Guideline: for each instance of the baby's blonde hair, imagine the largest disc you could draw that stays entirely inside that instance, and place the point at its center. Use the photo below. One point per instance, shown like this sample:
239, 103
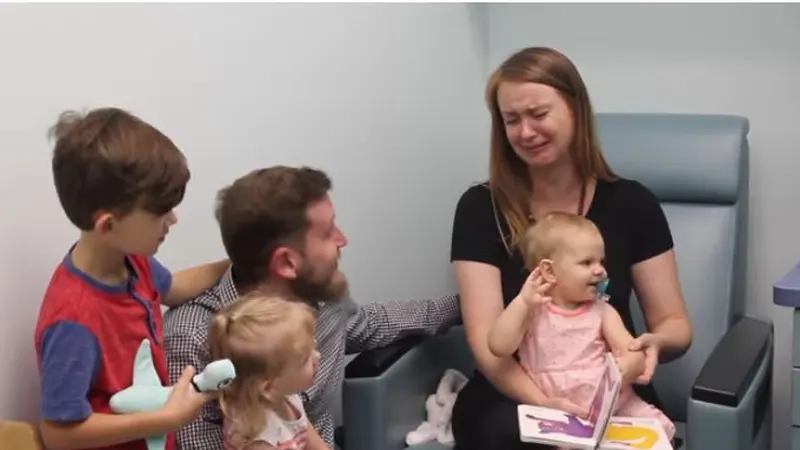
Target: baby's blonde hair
262, 334
550, 235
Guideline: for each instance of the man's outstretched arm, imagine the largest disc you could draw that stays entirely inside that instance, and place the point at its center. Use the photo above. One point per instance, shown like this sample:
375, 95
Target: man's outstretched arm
376, 325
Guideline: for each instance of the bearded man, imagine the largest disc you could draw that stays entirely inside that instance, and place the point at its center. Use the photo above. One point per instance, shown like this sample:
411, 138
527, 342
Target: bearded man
279, 230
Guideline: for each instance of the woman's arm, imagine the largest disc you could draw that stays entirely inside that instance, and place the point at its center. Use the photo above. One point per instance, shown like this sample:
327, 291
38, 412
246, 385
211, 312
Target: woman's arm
481, 304
658, 289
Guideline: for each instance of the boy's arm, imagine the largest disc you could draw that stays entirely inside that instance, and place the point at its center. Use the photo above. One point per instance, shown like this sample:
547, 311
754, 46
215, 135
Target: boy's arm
509, 329
70, 359
187, 284
102, 430
618, 339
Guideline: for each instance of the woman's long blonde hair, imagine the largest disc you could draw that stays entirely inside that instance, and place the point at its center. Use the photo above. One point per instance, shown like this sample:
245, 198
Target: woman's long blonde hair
509, 177
261, 334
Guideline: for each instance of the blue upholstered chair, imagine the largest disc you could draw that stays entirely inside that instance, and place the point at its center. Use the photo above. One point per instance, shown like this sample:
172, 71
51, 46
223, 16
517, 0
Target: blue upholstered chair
719, 392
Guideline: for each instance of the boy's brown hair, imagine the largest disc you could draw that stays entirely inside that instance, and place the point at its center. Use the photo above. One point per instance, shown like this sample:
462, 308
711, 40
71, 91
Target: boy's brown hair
548, 236
266, 209
110, 160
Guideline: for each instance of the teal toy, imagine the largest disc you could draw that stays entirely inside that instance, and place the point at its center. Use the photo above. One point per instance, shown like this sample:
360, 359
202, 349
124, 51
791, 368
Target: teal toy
147, 394
602, 288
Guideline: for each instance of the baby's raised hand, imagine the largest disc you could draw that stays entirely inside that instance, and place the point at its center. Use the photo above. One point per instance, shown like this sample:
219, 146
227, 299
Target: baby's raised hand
536, 289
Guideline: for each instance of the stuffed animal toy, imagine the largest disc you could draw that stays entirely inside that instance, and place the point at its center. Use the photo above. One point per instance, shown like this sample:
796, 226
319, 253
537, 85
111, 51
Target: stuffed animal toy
147, 394
439, 409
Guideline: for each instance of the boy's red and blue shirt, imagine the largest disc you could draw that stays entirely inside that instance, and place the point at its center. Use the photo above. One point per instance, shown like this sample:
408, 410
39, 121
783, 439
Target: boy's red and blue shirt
88, 334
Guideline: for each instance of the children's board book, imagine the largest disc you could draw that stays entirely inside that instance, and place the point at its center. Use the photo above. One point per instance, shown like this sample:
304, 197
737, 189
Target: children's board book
554, 427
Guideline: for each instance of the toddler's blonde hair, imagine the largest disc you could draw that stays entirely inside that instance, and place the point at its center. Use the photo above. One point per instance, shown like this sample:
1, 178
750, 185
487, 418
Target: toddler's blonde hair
550, 235
262, 334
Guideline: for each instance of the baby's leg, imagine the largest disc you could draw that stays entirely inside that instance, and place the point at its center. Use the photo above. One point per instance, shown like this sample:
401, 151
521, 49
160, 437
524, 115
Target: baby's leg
636, 407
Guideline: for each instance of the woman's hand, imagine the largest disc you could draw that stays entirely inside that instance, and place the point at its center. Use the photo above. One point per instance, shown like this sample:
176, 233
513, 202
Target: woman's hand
649, 343
656, 283
631, 364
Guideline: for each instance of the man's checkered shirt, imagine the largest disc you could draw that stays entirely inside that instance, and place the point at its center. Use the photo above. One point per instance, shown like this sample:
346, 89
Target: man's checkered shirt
342, 328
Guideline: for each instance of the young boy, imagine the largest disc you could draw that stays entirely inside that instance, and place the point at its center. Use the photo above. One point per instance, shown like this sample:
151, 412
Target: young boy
118, 180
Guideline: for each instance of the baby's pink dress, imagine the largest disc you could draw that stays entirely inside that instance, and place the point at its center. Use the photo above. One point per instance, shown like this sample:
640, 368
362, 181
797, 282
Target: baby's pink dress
564, 352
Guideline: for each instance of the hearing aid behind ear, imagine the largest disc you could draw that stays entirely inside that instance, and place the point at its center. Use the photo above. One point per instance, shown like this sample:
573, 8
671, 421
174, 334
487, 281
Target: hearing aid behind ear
602, 287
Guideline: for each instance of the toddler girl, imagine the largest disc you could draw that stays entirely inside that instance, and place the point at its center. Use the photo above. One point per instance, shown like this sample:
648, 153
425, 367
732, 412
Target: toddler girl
561, 328
270, 341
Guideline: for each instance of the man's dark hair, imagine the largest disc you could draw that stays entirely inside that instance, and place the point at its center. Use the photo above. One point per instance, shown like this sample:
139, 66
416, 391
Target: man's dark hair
263, 210
110, 160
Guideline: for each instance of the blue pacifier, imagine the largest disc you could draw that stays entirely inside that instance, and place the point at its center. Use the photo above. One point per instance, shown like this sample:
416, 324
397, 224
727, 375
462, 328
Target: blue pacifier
602, 287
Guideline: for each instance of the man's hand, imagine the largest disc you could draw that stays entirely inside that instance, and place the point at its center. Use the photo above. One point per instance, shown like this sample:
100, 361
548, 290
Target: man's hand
185, 403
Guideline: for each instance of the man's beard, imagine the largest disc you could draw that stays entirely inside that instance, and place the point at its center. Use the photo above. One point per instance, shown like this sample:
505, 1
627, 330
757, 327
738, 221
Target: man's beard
333, 288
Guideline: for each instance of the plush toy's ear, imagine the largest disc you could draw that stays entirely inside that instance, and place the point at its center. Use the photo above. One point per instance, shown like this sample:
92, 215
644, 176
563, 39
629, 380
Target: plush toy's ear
546, 269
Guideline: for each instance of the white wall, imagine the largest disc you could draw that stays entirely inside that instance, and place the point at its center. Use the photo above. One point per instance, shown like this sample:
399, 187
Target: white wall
386, 98
737, 59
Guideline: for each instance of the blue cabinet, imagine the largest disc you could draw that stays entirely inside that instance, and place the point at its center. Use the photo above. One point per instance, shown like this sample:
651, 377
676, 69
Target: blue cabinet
786, 293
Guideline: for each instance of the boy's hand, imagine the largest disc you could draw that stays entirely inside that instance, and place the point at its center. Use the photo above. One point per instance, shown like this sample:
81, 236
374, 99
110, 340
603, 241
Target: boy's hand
535, 290
184, 402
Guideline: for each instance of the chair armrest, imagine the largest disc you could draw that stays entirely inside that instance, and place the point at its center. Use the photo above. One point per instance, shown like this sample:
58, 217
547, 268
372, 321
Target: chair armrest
373, 363
730, 405
384, 394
